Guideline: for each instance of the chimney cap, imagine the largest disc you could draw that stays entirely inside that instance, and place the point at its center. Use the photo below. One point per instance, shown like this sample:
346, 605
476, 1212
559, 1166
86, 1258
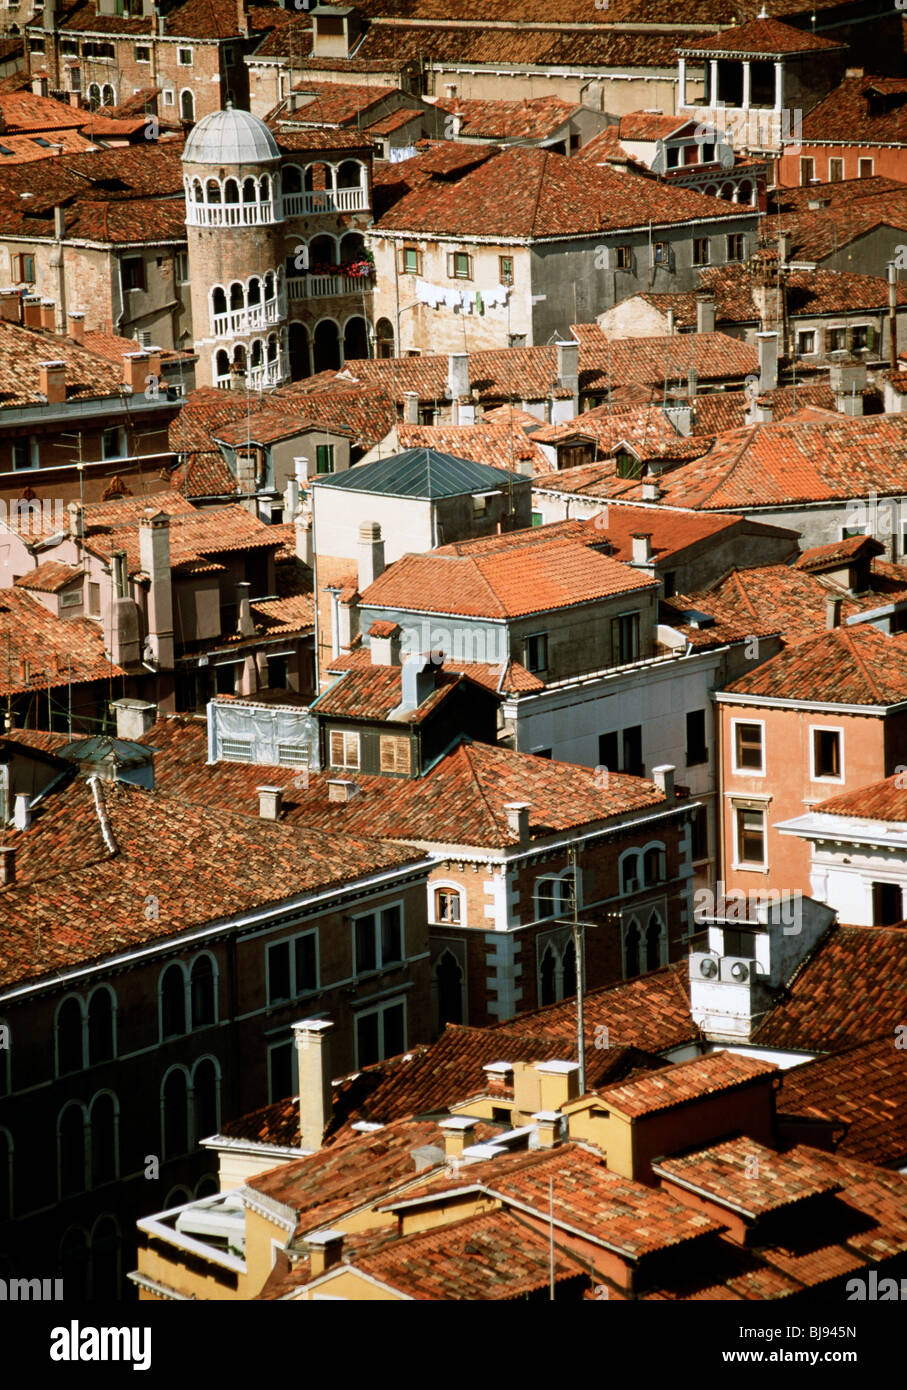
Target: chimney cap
498, 1068
323, 1238
459, 1123
318, 1026
556, 1068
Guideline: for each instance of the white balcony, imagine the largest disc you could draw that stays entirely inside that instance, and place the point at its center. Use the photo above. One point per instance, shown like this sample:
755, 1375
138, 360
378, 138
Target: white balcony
323, 286
266, 375
231, 214
326, 200
265, 315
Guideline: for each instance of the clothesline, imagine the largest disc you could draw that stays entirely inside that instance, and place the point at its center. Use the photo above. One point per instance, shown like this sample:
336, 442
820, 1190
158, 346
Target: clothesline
467, 301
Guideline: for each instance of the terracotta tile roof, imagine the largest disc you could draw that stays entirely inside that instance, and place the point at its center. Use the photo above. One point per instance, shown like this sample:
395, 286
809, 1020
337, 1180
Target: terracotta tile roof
725, 1173
492, 676
334, 103
497, 374
26, 111
533, 118
850, 209
507, 584
851, 665
497, 445
651, 361
822, 1012
195, 535
194, 19
821, 557
88, 376
491, 1257
395, 120
139, 221
41, 650
279, 617
374, 692
882, 801
862, 1088
150, 171
326, 139
860, 111
685, 1082
761, 36
24, 149
535, 193
165, 847
50, 577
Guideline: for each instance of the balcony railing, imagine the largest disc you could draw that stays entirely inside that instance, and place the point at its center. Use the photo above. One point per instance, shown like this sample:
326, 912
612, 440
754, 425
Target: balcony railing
230, 214
326, 200
267, 375
246, 320
321, 286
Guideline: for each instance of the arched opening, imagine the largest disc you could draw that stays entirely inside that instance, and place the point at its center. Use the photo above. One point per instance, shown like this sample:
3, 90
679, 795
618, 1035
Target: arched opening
270, 286
292, 179
450, 989
629, 873
187, 110
569, 970
323, 255
384, 338
206, 1186
272, 348
548, 975
255, 356
265, 188
100, 1026
326, 346
631, 950
202, 992
355, 338
239, 360
103, 1140
222, 367
317, 177
231, 191
212, 191
74, 1264
653, 942
198, 193
177, 1197
105, 1260
69, 1037
300, 365
349, 175
108, 95
237, 296
654, 865
176, 1114
94, 96
218, 301
727, 192
72, 1150
248, 190
173, 1002
204, 1084
254, 290
745, 192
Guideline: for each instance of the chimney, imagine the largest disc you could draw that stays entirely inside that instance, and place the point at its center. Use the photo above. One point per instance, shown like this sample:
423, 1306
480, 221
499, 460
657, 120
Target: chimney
7, 865
384, 645
31, 311
568, 366
245, 623
269, 799
154, 553
154, 362
671, 322
371, 554
651, 492
759, 411
22, 813
833, 611
518, 820
118, 572
500, 1077
76, 519
39, 85
663, 777
784, 246
9, 306
411, 407
134, 717
548, 1127
768, 360
312, 1049
75, 99
459, 1134
76, 327
559, 1083
706, 312
642, 548
52, 381
135, 369
458, 375
48, 315
325, 1247
893, 316
242, 18
341, 789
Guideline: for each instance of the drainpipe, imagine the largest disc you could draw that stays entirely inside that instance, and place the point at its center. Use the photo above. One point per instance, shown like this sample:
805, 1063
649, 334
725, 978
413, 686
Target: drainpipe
122, 314
56, 261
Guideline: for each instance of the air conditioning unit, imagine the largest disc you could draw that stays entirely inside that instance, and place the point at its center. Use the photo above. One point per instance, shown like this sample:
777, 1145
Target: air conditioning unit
737, 971
704, 967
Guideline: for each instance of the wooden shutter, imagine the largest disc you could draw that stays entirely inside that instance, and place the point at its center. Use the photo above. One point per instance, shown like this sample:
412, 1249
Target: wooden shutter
336, 748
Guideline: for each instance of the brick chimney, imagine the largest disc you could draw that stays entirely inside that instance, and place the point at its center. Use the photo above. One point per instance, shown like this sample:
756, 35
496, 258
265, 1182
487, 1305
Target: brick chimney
52, 381
31, 311
76, 327
135, 370
48, 315
499, 1077
9, 306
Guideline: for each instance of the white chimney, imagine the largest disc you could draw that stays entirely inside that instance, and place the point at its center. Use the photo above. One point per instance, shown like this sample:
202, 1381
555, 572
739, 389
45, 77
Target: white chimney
651, 492
154, 554
642, 548
371, 554
22, 812
568, 364
411, 407
314, 1080
457, 375
269, 800
663, 777
518, 820
768, 360
671, 322
759, 411
459, 1134
134, 717
706, 313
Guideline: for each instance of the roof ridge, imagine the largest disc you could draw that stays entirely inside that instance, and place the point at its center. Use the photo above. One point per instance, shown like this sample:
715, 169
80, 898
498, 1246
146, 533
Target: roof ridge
842, 634
474, 773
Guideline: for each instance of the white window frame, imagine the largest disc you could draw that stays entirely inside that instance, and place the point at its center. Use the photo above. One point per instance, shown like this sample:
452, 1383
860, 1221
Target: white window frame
746, 771
345, 765
745, 865
377, 913
180, 61
168, 96
826, 729
563, 901
801, 334
436, 886
866, 159
836, 159
380, 1010
141, 48
295, 991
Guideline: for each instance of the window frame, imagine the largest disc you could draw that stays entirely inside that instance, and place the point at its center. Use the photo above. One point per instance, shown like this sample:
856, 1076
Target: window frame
740, 810
452, 890
453, 257
690, 747
835, 162
416, 254
181, 61
141, 48
377, 915
534, 665
142, 280
345, 734
812, 335
734, 241
744, 771
702, 250
379, 1009
814, 731
294, 990
505, 277
394, 743
865, 159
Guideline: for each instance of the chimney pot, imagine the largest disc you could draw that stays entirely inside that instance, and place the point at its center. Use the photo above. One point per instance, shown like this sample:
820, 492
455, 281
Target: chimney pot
135, 369
48, 315
663, 777
518, 820
548, 1125
706, 313
7, 864
245, 623
651, 492
52, 381
269, 802
642, 548
459, 1134
411, 407
9, 306
833, 611
371, 554
500, 1077
31, 311
458, 375
325, 1247
768, 360
22, 812
312, 1048
76, 326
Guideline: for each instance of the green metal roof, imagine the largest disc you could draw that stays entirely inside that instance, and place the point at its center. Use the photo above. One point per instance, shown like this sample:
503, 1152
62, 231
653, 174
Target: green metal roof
421, 473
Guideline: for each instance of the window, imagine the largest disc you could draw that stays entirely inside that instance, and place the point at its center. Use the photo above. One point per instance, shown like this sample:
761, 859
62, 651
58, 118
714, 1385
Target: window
806, 341
22, 269
865, 168
378, 939
98, 48
535, 651
380, 1033
277, 673
100, 1026
173, 1002
70, 47
699, 835
673, 154
669, 582
505, 270
142, 53
750, 828
113, 443
735, 246
205, 1088
697, 752
103, 1125
225, 676
25, 453
700, 250
168, 96
175, 1113
324, 458
748, 750
661, 253
181, 267
71, 1141
479, 506
344, 748
133, 273
201, 992
395, 753
70, 1054
282, 1070
835, 339
554, 896
827, 753
862, 335
625, 639
459, 265
410, 261
624, 257
630, 873
621, 751
184, 57
292, 967
835, 170
706, 153
887, 904
94, 600
447, 905
655, 866
229, 57
807, 171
